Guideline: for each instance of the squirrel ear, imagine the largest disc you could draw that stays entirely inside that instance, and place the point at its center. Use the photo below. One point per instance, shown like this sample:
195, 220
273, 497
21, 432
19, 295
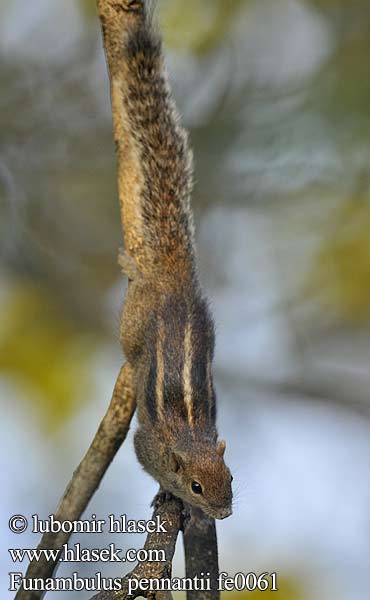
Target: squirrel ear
178, 460
220, 448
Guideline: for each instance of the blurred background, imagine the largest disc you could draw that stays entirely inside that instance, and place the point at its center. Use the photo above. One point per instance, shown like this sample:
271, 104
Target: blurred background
276, 95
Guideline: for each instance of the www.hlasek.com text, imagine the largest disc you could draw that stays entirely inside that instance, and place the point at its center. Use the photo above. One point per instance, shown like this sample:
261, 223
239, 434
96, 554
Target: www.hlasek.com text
79, 554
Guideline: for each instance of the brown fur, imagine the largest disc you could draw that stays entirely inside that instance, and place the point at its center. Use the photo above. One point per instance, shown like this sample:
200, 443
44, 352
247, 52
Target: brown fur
166, 327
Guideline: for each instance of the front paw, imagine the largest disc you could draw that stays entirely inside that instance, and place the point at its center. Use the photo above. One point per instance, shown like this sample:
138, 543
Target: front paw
161, 498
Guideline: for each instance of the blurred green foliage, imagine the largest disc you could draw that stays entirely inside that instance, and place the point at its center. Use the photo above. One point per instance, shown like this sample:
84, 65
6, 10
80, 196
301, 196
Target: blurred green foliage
44, 354
197, 26
341, 271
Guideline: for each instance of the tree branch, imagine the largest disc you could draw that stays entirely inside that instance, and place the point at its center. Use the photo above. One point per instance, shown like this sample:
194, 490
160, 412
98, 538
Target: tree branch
201, 556
170, 511
85, 480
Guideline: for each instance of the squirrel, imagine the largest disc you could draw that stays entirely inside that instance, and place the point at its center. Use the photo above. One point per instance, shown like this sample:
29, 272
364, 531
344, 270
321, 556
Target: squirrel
167, 331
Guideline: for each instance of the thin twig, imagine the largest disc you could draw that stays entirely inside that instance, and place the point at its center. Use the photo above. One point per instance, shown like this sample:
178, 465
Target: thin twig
88, 475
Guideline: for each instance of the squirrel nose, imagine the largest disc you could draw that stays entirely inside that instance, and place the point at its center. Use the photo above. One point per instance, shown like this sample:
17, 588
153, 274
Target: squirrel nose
225, 512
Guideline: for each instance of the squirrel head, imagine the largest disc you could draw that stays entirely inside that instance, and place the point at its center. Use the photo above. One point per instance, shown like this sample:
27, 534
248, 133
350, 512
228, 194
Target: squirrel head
200, 477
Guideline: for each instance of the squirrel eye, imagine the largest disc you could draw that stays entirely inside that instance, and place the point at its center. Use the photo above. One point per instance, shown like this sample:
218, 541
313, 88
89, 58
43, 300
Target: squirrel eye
196, 487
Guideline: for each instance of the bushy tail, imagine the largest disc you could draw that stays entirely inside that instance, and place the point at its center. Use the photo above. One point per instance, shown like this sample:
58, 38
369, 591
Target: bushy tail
156, 198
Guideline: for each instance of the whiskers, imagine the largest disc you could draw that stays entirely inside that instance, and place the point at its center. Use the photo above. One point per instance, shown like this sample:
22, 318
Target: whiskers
240, 489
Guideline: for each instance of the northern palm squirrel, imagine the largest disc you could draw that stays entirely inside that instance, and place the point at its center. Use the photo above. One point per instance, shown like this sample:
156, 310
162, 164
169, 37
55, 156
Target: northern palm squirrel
167, 330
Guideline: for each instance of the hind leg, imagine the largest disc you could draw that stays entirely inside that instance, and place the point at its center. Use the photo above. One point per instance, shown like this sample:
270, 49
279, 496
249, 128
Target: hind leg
137, 309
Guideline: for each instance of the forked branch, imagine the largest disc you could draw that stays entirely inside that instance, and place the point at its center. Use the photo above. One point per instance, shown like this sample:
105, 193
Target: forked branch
86, 479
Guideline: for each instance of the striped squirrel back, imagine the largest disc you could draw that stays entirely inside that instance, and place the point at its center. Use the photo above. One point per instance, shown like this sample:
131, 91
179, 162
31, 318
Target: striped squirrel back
180, 375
